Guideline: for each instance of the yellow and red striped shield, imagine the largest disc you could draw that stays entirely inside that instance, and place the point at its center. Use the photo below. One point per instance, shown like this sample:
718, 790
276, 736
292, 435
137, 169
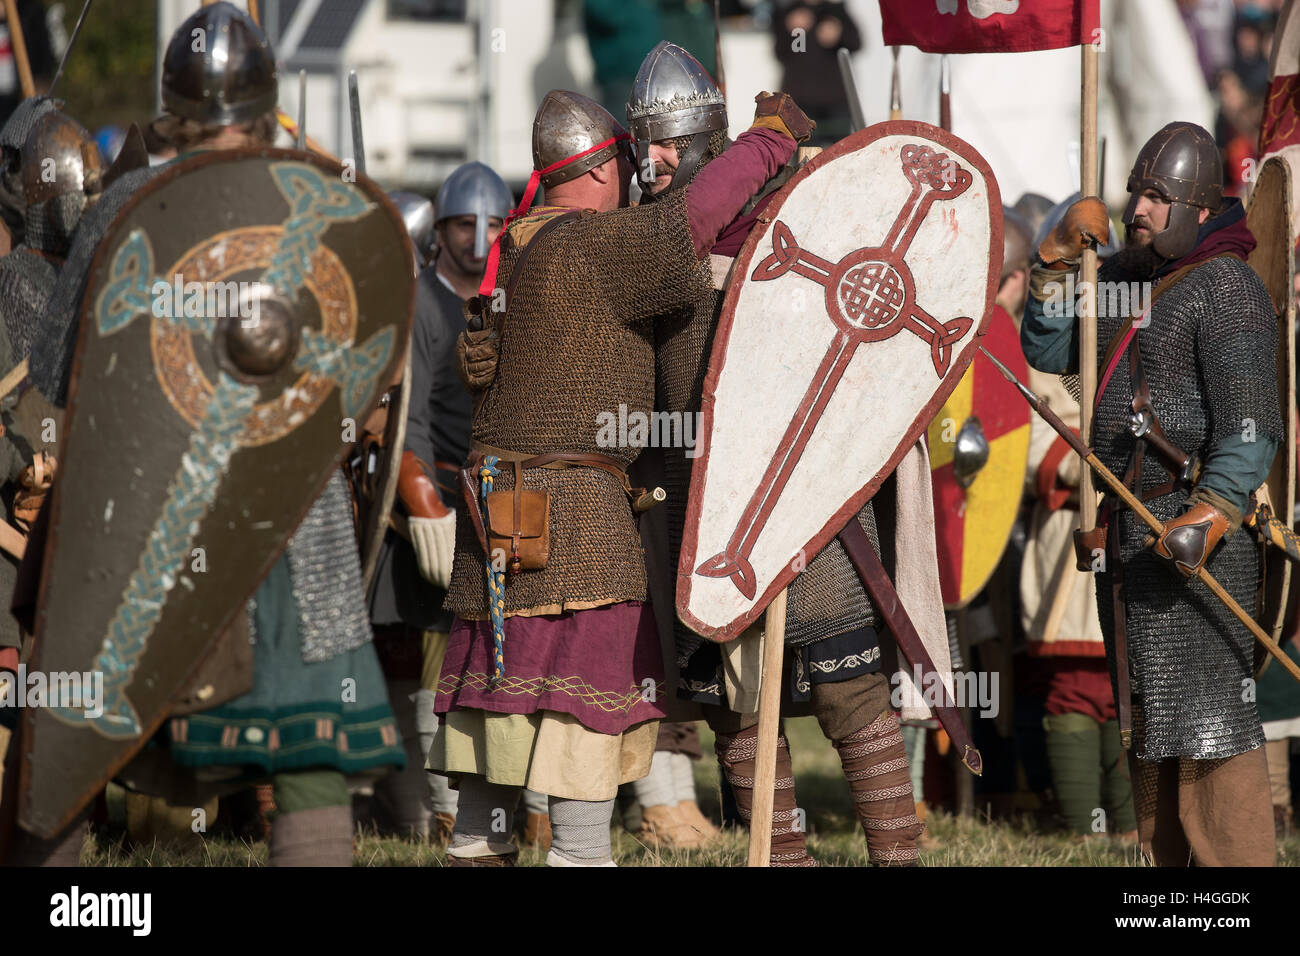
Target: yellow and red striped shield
973, 523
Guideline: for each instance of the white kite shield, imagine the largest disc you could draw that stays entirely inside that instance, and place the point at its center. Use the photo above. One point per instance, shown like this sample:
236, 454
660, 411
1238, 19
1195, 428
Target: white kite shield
856, 305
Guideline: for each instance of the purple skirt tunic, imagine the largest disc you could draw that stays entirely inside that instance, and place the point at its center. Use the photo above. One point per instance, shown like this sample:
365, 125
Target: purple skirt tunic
602, 665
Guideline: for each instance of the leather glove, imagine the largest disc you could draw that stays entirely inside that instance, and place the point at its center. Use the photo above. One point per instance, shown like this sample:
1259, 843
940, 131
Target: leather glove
476, 358
1086, 221
779, 112
1188, 539
434, 540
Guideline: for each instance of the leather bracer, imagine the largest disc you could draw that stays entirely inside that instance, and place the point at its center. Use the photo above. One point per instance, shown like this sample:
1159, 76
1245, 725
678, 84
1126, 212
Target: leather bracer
417, 489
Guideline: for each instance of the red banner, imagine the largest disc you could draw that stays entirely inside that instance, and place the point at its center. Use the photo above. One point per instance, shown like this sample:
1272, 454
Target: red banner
1281, 124
989, 26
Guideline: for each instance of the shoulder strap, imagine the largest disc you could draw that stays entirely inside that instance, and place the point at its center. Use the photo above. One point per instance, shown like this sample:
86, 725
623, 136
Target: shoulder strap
546, 227
485, 306
1125, 332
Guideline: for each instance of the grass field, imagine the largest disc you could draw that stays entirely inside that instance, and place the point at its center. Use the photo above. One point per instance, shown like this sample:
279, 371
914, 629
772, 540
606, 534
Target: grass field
834, 836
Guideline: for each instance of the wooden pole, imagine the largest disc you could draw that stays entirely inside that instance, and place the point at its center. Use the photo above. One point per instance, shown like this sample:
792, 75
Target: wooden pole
302, 109
945, 94
895, 91
769, 725
719, 73
14, 378
1088, 281
965, 781
20, 48
1061, 594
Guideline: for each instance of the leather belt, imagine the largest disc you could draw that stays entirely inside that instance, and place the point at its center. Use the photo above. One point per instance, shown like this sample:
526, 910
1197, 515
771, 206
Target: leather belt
641, 499
553, 460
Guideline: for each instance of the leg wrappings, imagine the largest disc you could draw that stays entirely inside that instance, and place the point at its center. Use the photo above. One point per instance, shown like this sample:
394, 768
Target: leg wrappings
875, 765
580, 831
319, 837
683, 778
484, 817
657, 788
737, 753
440, 792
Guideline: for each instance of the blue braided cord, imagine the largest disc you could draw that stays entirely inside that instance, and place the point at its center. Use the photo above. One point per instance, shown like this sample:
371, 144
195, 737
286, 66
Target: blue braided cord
496, 582
189, 496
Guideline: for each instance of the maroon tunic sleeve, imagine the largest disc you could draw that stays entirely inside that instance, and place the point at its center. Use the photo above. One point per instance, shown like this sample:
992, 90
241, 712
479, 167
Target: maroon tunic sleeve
723, 187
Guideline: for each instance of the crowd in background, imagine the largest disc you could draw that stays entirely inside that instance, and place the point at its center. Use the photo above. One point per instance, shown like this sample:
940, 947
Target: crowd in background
1233, 41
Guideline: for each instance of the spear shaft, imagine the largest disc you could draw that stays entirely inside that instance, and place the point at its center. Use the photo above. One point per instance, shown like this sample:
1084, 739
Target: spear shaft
1139, 509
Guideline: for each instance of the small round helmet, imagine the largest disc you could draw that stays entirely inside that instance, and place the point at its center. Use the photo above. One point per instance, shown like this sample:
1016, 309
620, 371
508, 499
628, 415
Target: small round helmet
475, 190
674, 96
62, 173
219, 68
1015, 242
1182, 164
567, 132
417, 214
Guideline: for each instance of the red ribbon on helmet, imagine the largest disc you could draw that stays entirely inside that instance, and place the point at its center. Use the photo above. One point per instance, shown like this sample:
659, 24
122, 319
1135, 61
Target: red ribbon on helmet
494, 254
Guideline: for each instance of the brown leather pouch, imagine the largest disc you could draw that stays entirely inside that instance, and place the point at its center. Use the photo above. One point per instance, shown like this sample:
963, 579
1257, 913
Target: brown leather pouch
1086, 546
519, 525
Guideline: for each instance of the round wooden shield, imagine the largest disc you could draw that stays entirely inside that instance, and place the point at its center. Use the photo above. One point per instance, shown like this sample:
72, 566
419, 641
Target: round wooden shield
979, 449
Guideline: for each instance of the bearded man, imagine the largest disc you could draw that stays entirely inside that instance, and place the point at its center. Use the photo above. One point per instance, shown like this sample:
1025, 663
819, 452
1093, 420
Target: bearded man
833, 665
1199, 368
553, 674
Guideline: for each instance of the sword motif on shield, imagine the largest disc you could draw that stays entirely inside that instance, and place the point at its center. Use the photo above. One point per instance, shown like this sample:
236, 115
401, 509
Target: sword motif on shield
870, 296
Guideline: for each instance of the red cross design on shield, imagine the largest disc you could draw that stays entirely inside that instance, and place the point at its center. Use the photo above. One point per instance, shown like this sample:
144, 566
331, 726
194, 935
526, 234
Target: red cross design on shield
870, 297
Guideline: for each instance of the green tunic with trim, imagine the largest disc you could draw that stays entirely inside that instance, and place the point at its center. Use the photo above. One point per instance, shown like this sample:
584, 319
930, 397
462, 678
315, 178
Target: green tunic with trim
332, 714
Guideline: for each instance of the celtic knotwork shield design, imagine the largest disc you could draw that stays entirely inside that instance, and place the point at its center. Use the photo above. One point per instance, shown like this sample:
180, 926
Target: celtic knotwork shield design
244, 311
811, 399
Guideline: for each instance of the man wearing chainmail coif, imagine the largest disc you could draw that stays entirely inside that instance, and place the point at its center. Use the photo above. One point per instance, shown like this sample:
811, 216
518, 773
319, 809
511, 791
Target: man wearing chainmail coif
553, 674
1200, 370
678, 121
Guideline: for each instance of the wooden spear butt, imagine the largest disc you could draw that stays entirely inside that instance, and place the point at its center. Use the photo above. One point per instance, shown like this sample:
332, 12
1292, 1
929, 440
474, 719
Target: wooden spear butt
1088, 275
769, 725
20, 48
